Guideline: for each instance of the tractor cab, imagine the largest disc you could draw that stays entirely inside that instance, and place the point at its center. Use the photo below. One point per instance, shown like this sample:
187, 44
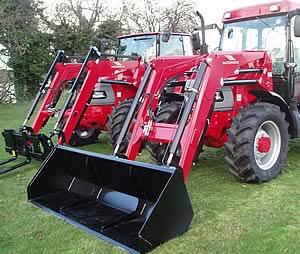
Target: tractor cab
152, 45
268, 27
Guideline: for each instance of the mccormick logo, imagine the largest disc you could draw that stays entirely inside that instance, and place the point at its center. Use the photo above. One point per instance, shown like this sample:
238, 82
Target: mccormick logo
231, 60
117, 65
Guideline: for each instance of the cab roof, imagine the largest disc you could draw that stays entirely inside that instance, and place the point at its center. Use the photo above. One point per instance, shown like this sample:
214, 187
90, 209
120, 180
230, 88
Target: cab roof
149, 33
266, 9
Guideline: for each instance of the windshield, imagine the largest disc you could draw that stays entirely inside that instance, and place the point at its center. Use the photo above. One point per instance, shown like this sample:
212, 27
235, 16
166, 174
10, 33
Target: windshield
258, 34
144, 46
177, 45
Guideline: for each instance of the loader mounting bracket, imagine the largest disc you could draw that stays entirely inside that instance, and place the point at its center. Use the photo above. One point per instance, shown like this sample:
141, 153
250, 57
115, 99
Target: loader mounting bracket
25, 143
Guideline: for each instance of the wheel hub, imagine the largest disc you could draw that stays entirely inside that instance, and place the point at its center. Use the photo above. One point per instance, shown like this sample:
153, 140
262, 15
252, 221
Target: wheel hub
267, 145
264, 144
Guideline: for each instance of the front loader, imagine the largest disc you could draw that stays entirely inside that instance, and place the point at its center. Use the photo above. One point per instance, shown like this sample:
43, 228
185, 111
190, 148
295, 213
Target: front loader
243, 97
125, 202
78, 186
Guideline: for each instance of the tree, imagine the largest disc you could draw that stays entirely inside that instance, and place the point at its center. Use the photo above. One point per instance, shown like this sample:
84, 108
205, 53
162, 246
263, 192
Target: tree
74, 25
180, 17
79, 24
144, 18
24, 43
7, 91
150, 17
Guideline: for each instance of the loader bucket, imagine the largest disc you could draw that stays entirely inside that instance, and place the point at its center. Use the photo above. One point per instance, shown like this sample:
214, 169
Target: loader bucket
133, 205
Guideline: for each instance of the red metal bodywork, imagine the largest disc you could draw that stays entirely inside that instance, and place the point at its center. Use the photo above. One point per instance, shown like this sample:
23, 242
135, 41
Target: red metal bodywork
219, 71
284, 6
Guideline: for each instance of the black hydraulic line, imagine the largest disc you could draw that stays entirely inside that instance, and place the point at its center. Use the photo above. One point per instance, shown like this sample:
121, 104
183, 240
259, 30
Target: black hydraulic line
122, 56
240, 82
187, 110
132, 109
41, 90
74, 86
176, 83
249, 70
118, 82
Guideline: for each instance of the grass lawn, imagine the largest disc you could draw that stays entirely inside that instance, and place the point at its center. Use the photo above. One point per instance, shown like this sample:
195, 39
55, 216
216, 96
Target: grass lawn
230, 217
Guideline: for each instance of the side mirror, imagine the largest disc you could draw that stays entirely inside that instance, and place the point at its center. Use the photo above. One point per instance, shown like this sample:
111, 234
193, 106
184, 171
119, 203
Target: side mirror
196, 41
166, 37
297, 26
104, 45
230, 33
209, 27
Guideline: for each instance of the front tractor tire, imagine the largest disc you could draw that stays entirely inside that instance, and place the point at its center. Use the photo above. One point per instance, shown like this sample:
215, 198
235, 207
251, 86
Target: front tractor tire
81, 136
257, 143
167, 113
115, 123
84, 136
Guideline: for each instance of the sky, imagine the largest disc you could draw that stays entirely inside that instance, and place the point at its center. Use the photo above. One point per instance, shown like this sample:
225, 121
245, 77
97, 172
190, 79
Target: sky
212, 11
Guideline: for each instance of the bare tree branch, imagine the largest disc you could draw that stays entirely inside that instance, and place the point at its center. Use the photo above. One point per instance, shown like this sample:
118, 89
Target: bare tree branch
150, 17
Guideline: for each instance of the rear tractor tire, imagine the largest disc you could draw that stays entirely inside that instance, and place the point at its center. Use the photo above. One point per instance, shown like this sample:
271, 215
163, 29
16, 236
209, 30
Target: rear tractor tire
257, 143
115, 123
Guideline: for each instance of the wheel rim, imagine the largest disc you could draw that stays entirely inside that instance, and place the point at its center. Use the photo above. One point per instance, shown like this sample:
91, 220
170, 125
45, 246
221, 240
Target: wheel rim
267, 144
85, 133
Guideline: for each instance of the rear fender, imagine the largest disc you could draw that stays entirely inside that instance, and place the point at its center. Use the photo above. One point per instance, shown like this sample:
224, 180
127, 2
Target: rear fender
275, 98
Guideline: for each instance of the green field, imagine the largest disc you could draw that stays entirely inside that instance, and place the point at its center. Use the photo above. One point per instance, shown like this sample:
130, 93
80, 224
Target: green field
230, 217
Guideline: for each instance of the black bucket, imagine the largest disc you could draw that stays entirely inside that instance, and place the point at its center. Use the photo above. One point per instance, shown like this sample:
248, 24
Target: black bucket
133, 205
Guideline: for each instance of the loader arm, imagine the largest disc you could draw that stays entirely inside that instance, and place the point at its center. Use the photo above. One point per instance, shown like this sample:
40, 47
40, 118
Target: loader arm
64, 72
81, 102
163, 69
194, 129
220, 73
97, 72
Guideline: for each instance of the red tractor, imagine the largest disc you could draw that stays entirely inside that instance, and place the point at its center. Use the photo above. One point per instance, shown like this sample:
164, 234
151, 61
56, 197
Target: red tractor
254, 79
98, 82
245, 97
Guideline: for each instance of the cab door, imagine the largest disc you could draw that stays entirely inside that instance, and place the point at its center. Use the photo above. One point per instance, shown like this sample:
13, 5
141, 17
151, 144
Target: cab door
296, 53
